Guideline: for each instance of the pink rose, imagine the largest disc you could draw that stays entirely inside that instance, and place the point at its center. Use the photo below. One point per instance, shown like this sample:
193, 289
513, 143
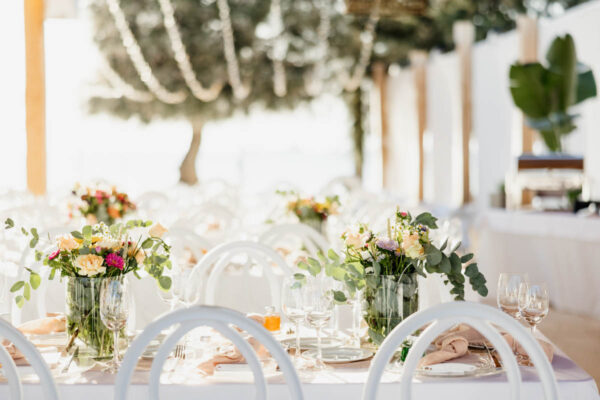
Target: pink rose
54, 255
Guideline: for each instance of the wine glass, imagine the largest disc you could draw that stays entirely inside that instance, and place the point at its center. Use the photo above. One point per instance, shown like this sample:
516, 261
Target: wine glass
292, 306
318, 306
508, 296
114, 311
533, 303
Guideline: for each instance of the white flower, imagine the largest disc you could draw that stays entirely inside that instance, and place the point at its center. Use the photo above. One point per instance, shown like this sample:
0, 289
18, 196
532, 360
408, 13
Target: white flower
89, 265
107, 243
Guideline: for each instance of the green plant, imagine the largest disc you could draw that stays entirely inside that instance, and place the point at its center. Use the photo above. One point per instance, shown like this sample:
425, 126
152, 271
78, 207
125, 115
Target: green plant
546, 93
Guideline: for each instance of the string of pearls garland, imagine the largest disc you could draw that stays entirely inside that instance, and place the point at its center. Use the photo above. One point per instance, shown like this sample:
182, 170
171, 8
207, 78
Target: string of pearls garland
314, 82
313, 85
233, 70
137, 58
183, 59
279, 50
120, 88
368, 39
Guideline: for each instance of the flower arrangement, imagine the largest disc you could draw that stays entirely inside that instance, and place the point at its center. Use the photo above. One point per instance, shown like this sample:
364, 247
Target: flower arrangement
385, 268
98, 204
86, 257
310, 211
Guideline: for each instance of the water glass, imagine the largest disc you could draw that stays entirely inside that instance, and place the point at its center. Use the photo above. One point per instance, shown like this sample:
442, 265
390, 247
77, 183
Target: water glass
318, 306
114, 311
534, 303
508, 295
292, 306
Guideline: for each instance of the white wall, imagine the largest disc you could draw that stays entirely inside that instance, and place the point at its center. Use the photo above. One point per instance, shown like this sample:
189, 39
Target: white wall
496, 135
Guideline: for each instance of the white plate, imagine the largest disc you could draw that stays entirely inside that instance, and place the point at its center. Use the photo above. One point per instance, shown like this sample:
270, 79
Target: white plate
341, 355
309, 343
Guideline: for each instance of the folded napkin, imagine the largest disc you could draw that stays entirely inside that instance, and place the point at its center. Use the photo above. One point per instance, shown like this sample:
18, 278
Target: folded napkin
53, 323
450, 348
231, 355
454, 343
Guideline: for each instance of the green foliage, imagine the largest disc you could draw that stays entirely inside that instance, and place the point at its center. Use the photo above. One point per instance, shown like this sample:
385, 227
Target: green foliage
546, 93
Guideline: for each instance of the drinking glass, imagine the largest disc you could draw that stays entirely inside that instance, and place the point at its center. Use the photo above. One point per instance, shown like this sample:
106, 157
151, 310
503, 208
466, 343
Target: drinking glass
292, 306
533, 303
508, 295
114, 311
318, 306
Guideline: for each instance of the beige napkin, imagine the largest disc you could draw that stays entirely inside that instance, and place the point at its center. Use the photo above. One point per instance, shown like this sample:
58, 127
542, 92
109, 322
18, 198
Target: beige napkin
53, 323
231, 355
454, 343
450, 348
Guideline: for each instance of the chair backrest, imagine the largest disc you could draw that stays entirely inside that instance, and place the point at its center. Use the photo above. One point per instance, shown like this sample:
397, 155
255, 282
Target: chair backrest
443, 317
219, 257
307, 236
181, 238
221, 320
10, 333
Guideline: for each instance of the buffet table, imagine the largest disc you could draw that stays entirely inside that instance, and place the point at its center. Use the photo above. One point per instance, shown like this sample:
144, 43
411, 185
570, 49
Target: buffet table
560, 249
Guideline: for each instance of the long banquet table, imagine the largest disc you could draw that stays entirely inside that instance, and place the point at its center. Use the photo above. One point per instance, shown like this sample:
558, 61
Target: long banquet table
342, 382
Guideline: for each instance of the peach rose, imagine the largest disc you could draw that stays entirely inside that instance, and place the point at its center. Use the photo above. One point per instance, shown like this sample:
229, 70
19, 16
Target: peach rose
68, 243
89, 265
411, 245
91, 219
157, 231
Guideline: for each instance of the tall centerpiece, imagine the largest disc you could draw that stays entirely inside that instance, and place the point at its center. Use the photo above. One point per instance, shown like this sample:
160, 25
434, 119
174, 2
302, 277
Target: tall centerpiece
99, 204
310, 211
85, 258
384, 269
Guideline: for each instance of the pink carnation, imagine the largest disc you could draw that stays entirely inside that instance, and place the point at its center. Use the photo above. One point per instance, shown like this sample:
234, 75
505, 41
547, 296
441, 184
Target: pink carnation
114, 260
54, 255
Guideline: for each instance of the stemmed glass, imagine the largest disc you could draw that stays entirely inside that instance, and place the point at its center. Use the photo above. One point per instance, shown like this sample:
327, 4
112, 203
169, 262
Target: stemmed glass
508, 295
114, 311
318, 306
533, 303
292, 306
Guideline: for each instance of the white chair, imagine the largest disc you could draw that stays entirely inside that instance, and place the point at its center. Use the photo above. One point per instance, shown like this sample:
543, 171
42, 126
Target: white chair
219, 257
9, 369
308, 237
443, 317
220, 319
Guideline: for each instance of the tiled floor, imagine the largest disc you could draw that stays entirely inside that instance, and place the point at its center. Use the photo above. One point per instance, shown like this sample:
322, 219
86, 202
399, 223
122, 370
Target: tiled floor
577, 336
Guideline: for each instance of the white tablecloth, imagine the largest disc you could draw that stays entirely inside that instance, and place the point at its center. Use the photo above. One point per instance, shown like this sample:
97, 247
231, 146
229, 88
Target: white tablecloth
344, 383
562, 250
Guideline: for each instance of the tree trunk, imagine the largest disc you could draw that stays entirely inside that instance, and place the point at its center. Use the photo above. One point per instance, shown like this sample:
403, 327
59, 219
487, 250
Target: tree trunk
358, 132
187, 170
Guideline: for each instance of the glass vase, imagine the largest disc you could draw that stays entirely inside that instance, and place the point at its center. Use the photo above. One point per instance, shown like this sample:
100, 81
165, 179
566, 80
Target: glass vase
317, 224
387, 300
83, 316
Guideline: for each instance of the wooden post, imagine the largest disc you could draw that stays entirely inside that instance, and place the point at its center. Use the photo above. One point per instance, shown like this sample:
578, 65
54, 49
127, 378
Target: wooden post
418, 60
35, 110
380, 81
464, 36
528, 47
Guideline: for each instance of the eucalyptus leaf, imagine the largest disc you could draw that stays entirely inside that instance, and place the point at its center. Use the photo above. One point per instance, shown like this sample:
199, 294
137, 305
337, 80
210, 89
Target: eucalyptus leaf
16, 286
35, 280
20, 300
9, 223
